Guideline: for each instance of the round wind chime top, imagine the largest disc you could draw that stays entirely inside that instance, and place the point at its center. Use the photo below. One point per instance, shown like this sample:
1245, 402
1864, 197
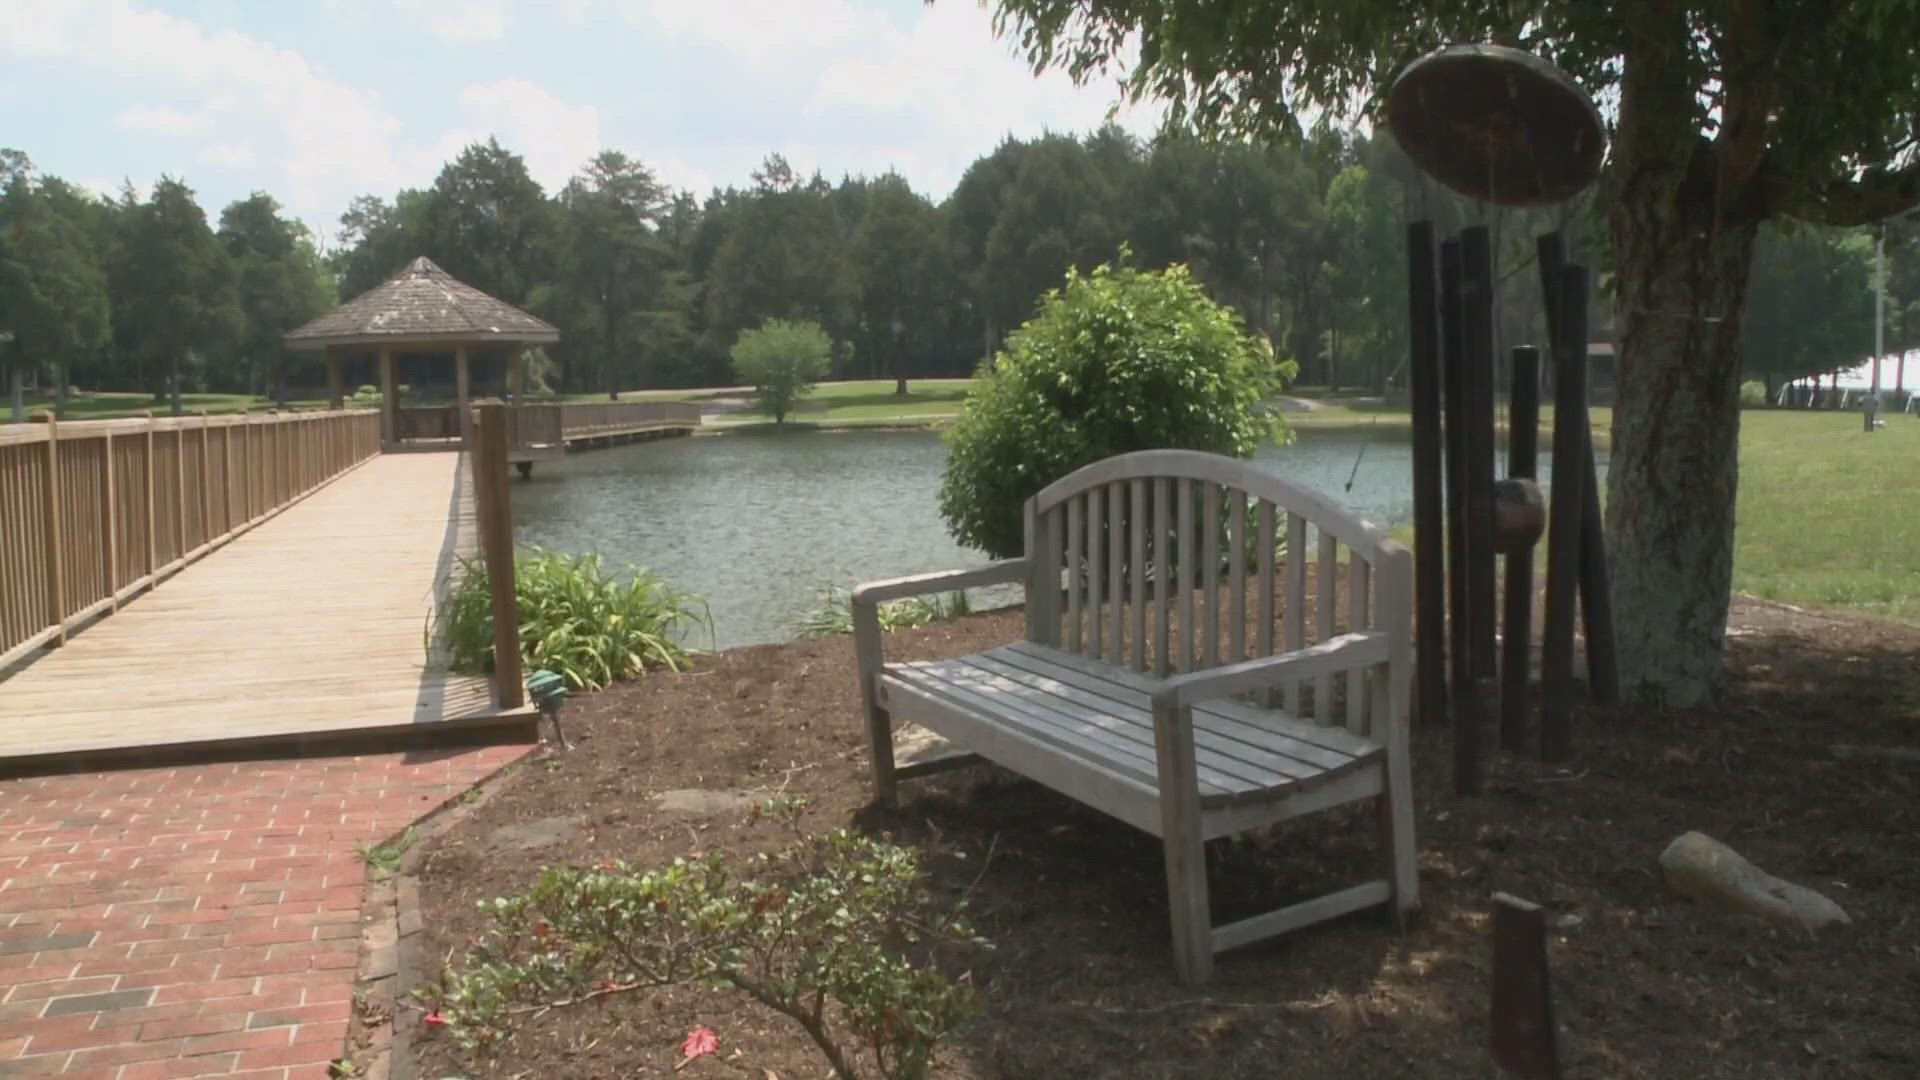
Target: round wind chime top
1497, 124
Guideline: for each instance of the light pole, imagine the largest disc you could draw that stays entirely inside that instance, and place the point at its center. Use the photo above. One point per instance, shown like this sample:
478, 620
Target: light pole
18, 392
1879, 323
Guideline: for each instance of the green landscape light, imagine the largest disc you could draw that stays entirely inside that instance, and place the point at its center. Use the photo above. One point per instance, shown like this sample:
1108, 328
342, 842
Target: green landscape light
549, 691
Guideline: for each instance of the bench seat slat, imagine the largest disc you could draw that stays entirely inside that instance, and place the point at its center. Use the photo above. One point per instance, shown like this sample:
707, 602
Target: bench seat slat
1083, 732
1269, 751
1103, 716
1336, 739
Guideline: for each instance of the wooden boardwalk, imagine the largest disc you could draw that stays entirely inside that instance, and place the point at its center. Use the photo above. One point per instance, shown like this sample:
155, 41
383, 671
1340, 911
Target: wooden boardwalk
310, 629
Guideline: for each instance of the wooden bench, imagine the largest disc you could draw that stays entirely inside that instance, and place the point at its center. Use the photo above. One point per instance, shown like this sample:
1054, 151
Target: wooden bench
1188, 726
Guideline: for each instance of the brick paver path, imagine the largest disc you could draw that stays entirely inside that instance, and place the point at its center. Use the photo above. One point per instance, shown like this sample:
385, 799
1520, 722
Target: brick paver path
199, 921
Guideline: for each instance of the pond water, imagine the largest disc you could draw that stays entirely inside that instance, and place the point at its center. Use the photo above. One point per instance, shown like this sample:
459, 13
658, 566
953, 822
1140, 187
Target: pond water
759, 525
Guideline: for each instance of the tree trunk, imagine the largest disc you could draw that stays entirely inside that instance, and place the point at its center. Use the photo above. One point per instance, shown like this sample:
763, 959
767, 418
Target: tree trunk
60, 389
17, 391
1682, 285
173, 383
280, 382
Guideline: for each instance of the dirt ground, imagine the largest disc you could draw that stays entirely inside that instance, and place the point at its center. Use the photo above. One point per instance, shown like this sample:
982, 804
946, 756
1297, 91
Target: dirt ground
1080, 983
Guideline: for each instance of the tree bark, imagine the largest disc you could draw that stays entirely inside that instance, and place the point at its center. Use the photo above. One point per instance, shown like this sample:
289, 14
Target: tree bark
1683, 265
173, 382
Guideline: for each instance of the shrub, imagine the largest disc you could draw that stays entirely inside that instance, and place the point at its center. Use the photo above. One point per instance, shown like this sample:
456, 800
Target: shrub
574, 619
835, 613
834, 932
1117, 360
1753, 392
782, 360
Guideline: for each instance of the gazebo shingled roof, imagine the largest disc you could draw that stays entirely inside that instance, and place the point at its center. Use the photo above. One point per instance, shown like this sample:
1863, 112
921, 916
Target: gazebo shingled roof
422, 304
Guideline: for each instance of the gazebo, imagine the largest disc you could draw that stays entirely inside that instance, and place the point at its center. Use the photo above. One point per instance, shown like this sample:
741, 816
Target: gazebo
421, 310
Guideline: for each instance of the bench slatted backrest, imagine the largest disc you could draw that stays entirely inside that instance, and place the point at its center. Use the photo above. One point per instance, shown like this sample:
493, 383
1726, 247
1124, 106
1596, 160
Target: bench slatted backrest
1174, 561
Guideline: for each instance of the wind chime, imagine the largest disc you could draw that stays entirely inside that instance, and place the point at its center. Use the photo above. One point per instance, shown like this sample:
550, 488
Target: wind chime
1506, 128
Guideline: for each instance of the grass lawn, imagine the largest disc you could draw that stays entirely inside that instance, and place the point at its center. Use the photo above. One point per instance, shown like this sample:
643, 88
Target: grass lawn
108, 406
1823, 515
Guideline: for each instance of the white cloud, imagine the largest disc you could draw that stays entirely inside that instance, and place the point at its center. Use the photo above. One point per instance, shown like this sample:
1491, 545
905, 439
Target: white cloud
162, 120
555, 138
938, 91
458, 22
452, 22
225, 156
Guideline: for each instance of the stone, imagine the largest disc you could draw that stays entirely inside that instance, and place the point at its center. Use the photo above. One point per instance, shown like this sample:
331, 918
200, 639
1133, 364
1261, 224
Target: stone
701, 802
533, 835
1698, 866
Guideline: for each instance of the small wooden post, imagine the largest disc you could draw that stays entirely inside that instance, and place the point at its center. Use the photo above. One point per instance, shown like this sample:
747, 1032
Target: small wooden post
1429, 522
56, 574
464, 407
1522, 1035
110, 548
1564, 514
388, 434
1523, 453
153, 554
496, 541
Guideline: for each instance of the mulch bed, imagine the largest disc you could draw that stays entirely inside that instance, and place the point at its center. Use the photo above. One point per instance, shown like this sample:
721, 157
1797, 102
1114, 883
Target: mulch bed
1080, 983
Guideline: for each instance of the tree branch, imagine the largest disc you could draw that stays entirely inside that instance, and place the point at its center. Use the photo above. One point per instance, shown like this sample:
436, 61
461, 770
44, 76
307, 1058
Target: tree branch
1878, 195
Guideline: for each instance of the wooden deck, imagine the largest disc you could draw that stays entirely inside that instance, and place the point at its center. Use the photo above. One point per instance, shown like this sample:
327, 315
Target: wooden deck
308, 631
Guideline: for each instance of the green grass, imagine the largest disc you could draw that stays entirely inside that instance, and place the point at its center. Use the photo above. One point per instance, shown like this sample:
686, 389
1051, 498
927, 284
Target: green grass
1824, 517
110, 406
1821, 518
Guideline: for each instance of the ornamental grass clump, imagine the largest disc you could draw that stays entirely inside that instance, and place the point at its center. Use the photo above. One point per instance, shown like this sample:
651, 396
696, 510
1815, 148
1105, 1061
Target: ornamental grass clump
575, 619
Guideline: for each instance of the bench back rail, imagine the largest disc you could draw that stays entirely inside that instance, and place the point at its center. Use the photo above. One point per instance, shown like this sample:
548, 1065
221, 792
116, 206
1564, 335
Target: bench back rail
1167, 561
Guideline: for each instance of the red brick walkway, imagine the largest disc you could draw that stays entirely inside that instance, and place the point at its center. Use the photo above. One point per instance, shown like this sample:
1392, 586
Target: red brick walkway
200, 921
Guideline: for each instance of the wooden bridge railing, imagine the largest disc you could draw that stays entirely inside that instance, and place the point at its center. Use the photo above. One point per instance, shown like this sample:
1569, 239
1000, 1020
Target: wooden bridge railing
93, 512
550, 424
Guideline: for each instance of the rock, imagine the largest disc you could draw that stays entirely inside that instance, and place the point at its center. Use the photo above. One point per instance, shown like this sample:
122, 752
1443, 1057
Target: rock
533, 835
701, 801
1700, 867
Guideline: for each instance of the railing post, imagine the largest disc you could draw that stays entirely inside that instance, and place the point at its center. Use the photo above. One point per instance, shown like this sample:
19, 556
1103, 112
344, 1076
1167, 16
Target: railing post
206, 480
56, 578
495, 512
226, 494
153, 526
180, 487
111, 549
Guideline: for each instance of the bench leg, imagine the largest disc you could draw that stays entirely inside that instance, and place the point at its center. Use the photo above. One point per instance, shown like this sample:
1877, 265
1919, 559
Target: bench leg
1186, 851
1396, 841
1187, 905
867, 662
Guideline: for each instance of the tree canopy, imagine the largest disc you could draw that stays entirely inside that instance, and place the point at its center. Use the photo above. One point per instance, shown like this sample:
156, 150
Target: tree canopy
1720, 117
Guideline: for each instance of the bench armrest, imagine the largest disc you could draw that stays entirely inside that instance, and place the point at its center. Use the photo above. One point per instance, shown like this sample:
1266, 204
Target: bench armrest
1344, 653
875, 593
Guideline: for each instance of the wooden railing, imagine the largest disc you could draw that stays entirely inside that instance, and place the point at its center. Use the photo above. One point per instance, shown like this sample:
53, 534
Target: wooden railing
551, 425
427, 421
93, 512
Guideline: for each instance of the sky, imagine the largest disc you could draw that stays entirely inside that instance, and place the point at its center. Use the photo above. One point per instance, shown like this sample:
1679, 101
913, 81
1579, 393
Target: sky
317, 101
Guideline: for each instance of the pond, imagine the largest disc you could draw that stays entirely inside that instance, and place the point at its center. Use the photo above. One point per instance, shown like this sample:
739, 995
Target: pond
759, 525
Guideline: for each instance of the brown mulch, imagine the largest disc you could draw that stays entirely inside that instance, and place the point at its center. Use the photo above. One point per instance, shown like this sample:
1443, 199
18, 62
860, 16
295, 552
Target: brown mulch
1080, 983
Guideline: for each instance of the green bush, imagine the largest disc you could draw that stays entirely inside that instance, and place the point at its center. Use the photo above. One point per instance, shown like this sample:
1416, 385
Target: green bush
837, 932
835, 613
574, 619
1753, 392
1118, 360
781, 360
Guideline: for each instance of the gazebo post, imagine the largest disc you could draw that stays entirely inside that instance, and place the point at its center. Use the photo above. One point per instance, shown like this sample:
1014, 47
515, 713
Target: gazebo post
460, 395
388, 435
336, 395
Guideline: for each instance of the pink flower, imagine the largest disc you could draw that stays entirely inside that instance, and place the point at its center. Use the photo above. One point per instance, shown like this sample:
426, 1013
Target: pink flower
434, 1019
699, 1042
